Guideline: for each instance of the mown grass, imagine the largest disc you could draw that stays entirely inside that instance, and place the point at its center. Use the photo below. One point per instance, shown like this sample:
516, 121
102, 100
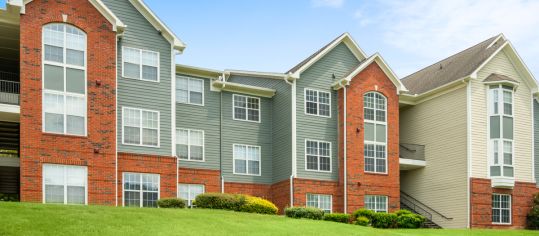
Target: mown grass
40, 219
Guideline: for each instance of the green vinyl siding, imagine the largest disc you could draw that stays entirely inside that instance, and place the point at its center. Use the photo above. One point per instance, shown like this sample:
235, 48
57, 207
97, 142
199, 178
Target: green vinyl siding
536, 137
205, 118
144, 94
319, 76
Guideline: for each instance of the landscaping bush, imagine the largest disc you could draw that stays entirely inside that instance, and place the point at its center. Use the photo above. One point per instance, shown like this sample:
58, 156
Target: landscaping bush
337, 217
403, 212
304, 212
259, 205
409, 220
384, 220
533, 215
223, 201
171, 203
363, 212
9, 197
363, 221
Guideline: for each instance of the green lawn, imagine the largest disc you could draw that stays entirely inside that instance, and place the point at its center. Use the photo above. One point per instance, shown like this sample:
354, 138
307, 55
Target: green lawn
40, 219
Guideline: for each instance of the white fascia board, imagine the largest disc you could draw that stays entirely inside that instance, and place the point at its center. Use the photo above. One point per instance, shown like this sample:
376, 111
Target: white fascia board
270, 75
244, 89
198, 71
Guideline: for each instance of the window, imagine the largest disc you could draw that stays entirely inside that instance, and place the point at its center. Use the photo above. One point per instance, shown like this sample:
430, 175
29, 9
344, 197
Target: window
246, 159
317, 155
64, 80
376, 203
375, 131
140, 127
320, 201
189, 91
190, 144
317, 103
501, 208
141, 190
189, 192
140, 64
246, 108
64, 184
500, 102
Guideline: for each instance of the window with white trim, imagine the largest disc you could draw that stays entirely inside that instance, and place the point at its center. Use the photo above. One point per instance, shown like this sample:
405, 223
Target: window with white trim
320, 201
246, 108
317, 103
317, 155
140, 190
501, 208
500, 102
189, 90
189, 192
376, 203
246, 159
190, 144
140, 64
64, 79
64, 184
140, 127
375, 131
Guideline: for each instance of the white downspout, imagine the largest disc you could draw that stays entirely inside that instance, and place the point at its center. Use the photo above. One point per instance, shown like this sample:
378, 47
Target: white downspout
469, 149
294, 154
222, 184
345, 157
118, 36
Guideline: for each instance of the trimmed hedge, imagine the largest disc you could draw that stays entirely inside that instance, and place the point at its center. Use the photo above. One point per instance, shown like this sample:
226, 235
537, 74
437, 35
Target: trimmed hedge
384, 220
171, 203
363, 212
222, 201
304, 212
533, 216
259, 205
337, 217
363, 221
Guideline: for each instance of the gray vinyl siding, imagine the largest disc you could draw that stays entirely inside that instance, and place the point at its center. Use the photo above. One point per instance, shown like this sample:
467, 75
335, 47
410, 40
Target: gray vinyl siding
144, 94
205, 118
281, 125
536, 139
339, 61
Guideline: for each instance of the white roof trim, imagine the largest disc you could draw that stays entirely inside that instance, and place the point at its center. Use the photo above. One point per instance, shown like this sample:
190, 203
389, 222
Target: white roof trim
117, 25
500, 36
383, 65
270, 75
347, 39
245, 89
160, 26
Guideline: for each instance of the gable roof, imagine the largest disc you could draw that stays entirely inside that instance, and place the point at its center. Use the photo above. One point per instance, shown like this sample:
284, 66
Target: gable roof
343, 38
453, 68
497, 78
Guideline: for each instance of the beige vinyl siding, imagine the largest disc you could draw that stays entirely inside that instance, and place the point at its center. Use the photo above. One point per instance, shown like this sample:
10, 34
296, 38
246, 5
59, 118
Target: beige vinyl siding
523, 121
440, 125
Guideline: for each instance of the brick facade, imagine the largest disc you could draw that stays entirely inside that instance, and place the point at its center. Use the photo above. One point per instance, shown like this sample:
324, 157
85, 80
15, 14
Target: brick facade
481, 203
97, 150
280, 194
259, 190
304, 186
211, 179
359, 183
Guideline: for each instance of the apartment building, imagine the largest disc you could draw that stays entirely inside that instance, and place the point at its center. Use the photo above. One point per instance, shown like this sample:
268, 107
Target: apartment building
95, 110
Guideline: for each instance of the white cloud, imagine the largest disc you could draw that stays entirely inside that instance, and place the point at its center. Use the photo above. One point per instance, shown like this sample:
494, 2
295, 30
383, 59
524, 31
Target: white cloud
327, 3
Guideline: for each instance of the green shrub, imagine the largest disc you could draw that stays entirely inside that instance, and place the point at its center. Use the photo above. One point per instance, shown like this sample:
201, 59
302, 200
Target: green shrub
337, 217
410, 221
223, 201
171, 203
363, 221
384, 220
9, 197
304, 212
403, 212
533, 215
363, 212
259, 205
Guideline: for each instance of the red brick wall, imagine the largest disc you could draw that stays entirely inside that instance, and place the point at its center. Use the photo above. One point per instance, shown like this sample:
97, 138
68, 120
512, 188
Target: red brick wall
360, 183
259, 190
304, 186
140, 163
481, 203
37, 147
280, 195
211, 179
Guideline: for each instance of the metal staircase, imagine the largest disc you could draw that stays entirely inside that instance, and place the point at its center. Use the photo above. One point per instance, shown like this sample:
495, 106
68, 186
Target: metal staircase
410, 203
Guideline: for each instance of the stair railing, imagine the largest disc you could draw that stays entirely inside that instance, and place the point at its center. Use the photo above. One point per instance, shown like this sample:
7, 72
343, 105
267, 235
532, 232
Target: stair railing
414, 204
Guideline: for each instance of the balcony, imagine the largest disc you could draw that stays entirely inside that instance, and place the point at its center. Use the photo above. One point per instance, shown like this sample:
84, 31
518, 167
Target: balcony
9, 88
411, 156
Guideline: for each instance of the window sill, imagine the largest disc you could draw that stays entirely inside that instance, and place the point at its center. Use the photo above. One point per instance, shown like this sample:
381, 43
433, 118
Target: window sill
502, 182
375, 173
187, 160
192, 104
65, 135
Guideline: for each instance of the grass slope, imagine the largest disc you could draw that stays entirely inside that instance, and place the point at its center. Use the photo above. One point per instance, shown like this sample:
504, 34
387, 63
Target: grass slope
40, 219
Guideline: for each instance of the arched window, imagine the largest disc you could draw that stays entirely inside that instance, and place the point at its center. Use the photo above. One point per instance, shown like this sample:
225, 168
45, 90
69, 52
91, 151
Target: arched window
375, 130
64, 79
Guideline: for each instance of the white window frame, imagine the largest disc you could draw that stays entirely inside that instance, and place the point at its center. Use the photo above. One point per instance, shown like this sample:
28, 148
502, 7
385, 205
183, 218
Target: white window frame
375, 143
500, 209
376, 201
189, 144
190, 201
319, 202
189, 91
318, 156
317, 102
246, 160
65, 183
246, 108
65, 94
140, 64
141, 127
141, 192
501, 140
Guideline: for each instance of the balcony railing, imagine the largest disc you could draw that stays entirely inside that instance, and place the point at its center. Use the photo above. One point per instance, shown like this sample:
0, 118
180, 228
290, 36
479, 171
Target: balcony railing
9, 88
